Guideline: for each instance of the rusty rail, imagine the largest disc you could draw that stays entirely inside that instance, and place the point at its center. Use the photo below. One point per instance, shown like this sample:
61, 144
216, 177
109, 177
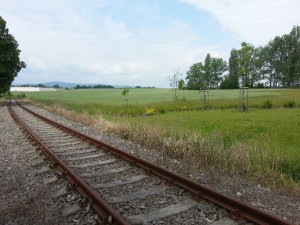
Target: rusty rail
104, 210
235, 206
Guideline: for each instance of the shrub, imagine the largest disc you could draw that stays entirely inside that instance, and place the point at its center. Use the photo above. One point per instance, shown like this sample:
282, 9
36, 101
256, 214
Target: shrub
267, 104
161, 110
289, 104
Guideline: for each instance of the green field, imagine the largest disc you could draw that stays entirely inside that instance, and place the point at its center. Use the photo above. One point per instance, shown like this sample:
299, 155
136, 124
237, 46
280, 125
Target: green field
266, 139
144, 96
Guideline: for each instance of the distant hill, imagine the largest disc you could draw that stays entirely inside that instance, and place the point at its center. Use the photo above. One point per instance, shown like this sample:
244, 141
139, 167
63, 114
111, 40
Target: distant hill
70, 85
61, 84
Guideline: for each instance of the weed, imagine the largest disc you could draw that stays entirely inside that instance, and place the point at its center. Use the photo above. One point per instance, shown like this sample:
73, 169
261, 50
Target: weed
267, 104
289, 104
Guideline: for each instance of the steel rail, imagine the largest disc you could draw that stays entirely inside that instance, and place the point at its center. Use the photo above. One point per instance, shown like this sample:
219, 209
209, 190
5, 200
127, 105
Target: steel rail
235, 206
104, 210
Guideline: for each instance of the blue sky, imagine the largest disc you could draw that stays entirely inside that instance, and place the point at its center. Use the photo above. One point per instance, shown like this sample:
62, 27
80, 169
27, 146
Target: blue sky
136, 42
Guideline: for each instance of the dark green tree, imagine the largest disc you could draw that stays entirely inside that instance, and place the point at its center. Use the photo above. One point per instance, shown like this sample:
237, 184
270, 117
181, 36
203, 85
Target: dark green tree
207, 72
281, 60
10, 64
56, 86
196, 77
181, 84
232, 80
208, 75
217, 67
244, 64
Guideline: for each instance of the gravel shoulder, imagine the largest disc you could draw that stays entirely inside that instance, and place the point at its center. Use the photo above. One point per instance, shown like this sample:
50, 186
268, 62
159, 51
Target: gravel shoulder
26, 200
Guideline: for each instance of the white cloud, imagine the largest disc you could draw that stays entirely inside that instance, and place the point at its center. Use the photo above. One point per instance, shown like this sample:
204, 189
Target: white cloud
254, 21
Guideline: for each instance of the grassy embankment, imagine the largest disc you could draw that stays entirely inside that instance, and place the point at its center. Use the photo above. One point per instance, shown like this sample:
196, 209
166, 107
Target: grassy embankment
263, 144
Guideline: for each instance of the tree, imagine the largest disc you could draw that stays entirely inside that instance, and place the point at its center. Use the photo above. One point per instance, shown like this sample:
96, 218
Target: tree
196, 77
10, 64
280, 60
231, 81
56, 86
207, 72
217, 67
174, 78
181, 84
125, 92
244, 64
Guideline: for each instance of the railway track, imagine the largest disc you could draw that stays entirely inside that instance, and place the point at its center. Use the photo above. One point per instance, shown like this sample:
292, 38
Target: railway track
124, 189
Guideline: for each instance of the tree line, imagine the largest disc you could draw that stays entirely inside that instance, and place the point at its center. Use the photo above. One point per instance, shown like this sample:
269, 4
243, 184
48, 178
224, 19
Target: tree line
92, 86
277, 64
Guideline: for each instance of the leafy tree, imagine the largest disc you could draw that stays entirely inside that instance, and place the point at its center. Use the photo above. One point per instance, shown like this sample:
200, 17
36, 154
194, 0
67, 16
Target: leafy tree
196, 76
281, 60
181, 84
207, 72
208, 75
217, 67
10, 64
125, 92
227, 82
277, 63
231, 81
244, 63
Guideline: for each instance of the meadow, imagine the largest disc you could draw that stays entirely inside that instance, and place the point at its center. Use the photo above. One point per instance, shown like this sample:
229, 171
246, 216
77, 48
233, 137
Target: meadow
262, 143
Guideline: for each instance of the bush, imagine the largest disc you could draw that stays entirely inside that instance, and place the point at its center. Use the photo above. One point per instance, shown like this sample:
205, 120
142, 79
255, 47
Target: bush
161, 110
289, 104
260, 85
267, 104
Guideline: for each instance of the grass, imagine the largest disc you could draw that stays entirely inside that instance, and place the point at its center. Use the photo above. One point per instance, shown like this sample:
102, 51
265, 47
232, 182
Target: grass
262, 143
110, 101
267, 131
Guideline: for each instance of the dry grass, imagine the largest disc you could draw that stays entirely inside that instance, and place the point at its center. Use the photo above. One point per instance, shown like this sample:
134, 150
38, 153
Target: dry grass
195, 150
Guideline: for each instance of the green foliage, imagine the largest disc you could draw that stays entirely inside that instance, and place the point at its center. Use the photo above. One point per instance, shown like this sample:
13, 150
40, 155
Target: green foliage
21, 96
289, 104
291, 167
125, 92
279, 60
232, 80
229, 82
181, 84
208, 75
10, 63
196, 77
267, 104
